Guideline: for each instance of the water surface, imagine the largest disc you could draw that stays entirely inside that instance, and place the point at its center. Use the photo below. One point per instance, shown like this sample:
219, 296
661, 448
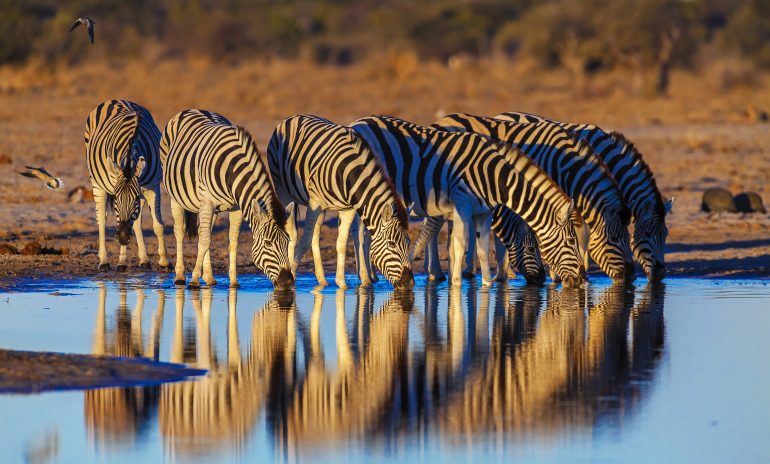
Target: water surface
676, 372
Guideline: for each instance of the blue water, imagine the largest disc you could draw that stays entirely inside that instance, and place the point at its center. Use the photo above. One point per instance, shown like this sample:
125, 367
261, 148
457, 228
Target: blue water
677, 372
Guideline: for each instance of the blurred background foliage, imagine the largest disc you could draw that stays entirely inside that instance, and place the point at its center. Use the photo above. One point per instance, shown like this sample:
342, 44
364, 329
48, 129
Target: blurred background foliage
582, 36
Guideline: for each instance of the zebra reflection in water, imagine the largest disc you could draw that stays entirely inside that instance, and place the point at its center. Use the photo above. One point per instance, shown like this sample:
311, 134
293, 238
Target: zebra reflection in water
500, 363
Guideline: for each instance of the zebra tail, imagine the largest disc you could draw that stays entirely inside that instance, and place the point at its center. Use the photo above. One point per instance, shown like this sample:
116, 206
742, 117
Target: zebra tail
190, 224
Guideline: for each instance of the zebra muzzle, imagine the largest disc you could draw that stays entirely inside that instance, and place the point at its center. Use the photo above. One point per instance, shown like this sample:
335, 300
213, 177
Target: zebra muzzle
284, 280
407, 279
124, 233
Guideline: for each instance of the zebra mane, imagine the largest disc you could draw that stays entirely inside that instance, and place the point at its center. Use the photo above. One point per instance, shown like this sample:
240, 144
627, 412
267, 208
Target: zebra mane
630, 150
128, 168
585, 151
362, 146
274, 206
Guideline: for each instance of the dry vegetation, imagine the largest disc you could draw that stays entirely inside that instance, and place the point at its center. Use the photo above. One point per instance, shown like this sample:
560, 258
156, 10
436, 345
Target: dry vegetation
706, 132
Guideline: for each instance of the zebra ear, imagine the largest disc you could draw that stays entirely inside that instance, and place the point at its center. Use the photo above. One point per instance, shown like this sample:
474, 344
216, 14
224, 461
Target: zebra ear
668, 205
563, 215
389, 213
257, 209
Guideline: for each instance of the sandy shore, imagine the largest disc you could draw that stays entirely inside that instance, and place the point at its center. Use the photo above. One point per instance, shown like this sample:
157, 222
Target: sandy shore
691, 143
31, 372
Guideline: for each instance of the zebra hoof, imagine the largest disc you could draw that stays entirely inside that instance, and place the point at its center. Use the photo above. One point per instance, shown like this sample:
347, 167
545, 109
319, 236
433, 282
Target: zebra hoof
146, 266
121, 268
235, 285
193, 285
437, 277
104, 267
213, 283
179, 282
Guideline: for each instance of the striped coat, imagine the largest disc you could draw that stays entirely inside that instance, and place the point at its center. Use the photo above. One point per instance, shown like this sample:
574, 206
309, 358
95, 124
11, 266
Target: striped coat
576, 169
121, 141
637, 184
212, 166
446, 174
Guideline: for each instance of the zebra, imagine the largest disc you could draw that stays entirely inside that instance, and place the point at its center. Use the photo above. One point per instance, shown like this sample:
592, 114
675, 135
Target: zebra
211, 166
514, 240
579, 172
447, 174
637, 184
325, 166
121, 141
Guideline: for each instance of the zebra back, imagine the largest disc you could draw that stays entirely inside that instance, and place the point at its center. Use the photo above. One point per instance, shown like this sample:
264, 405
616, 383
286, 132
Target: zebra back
118, 133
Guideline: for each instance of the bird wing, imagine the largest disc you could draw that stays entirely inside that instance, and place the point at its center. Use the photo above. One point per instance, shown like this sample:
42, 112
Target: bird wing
91, 31
76, 24
32, 173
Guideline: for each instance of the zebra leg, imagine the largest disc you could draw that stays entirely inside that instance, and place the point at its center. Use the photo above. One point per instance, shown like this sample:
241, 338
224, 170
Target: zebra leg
501, 256
318, 263
582, 232
208, 272
236, 217
122, 258
100, 198
463, 223
450, 248
483, 226
343, 231
153, 201
144, 261
205, 216
433, 261
362, 265
291, 230
178, 213
470, 254
311, 216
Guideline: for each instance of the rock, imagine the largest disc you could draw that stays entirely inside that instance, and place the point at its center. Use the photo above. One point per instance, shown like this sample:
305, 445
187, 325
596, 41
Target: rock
35, 248
716, 200
749, 202
6, 249
31, 248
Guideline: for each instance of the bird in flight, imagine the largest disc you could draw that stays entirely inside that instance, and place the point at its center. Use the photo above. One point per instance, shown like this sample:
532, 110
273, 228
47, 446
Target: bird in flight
51, 182
89, 23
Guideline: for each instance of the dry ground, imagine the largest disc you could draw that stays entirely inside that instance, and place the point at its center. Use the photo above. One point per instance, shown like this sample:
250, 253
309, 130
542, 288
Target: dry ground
696, 138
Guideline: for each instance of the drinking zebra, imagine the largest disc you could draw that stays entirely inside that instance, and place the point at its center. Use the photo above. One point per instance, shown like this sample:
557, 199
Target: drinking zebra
637, 184
462, 175
121, 141
514, 240
579, 172
211, 166
323, 166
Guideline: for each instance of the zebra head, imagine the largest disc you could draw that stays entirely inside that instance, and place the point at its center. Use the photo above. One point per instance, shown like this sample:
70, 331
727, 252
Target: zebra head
609, 244
559, 246
649, 237
525, 254
390, 246
127, 199
270, 244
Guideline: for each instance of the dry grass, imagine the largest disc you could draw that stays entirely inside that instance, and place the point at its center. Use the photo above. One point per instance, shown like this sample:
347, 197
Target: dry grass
698, 137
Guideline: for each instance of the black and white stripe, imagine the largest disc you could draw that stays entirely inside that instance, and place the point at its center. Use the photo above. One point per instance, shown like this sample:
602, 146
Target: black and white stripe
122, 141
637, 184
578, 171
211, 166
325, 166
448, 175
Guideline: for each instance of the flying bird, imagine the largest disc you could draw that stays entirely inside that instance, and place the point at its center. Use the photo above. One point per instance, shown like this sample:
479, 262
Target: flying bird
89, 23
51, 182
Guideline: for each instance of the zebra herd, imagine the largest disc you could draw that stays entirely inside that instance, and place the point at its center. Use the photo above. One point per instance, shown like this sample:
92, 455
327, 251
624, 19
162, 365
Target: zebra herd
550, 191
